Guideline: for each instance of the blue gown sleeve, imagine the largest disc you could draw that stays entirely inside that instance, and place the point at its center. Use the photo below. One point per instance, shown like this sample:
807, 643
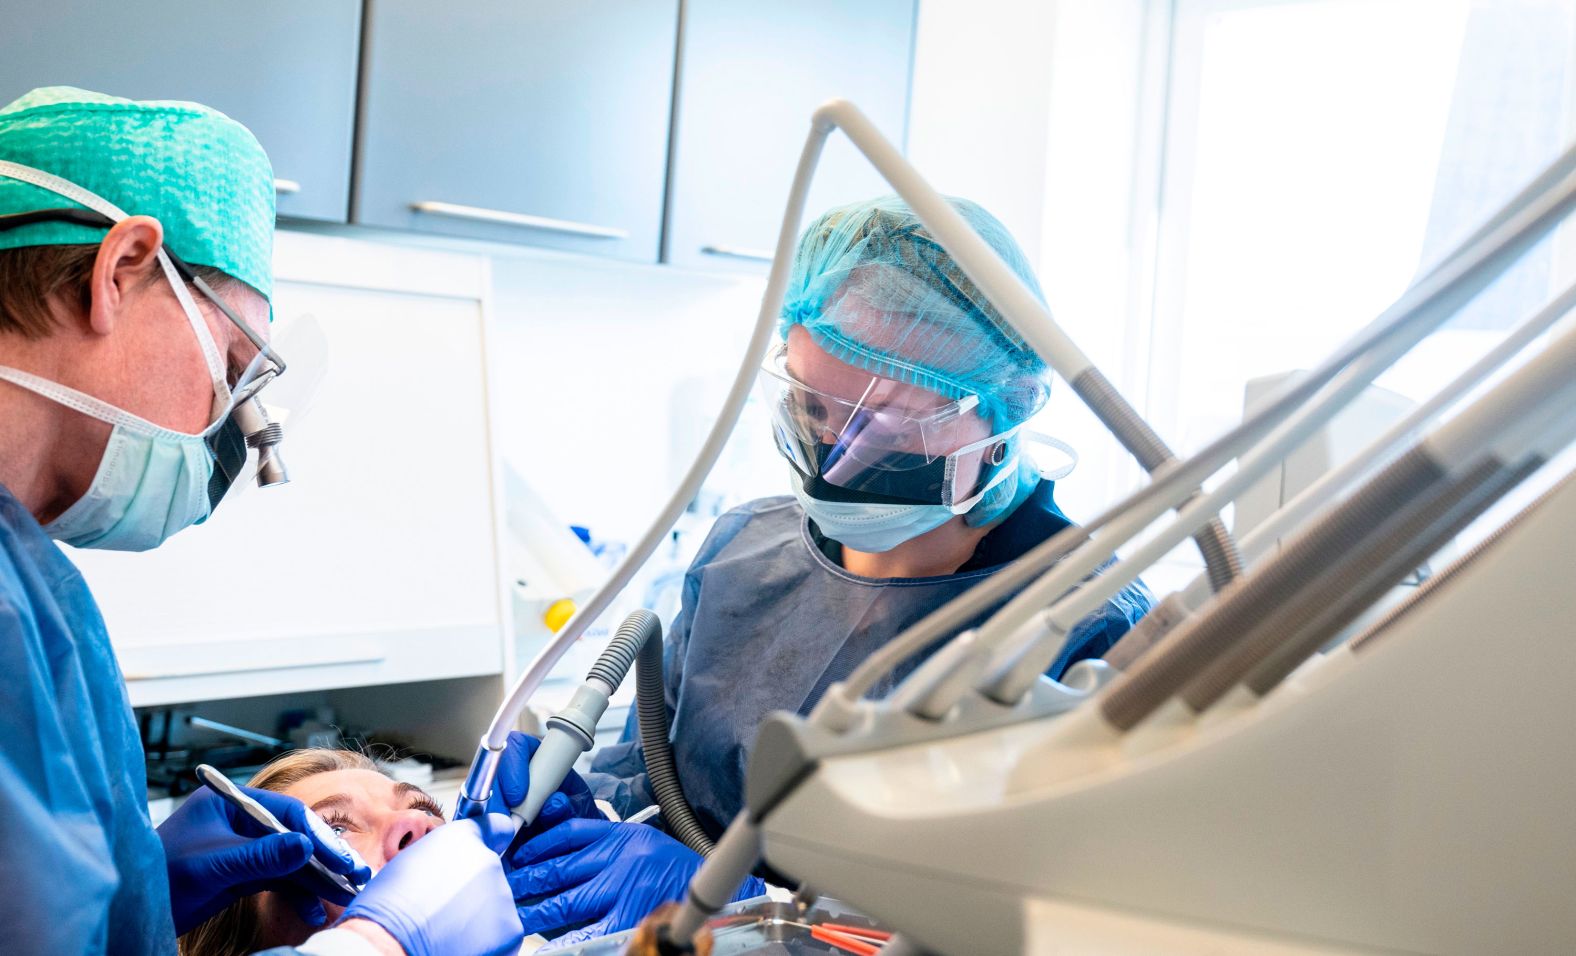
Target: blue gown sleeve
61, 868
1095, 635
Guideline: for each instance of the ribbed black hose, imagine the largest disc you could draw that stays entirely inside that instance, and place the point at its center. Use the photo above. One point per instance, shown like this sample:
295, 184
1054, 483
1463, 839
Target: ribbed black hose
652, 706
639, 639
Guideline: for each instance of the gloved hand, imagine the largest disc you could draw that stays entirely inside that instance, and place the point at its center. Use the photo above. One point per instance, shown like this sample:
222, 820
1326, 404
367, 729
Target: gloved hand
215, 854
611, 874
573, 798
447, 893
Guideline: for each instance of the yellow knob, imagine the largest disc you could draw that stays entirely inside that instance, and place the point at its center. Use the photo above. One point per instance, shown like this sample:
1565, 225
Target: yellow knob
558, 614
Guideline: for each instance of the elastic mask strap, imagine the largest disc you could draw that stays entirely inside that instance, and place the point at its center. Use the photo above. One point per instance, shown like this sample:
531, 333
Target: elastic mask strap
97, 203
986, 442
1061, 446
210, 349
1005, 470
1008, 467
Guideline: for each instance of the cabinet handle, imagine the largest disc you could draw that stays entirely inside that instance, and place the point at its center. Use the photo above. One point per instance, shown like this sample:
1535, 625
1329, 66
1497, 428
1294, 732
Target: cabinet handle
286, 187
478, 214
734, 252
217, 670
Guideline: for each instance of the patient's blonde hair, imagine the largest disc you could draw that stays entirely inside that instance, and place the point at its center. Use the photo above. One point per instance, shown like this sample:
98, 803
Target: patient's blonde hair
235, 930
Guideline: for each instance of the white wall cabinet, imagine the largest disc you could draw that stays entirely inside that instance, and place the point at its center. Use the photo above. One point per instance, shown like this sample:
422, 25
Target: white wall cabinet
379, 562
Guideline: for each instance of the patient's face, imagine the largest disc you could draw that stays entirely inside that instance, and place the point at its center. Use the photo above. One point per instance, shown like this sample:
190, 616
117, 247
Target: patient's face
375, 815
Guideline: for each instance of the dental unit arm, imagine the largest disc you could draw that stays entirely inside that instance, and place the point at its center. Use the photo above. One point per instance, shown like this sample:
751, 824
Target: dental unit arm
1032, 321
1518, 428
955, 693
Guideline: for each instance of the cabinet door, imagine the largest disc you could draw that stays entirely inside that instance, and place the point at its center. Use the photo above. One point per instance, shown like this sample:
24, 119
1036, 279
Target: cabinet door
752, 73
532, 121
378, 563
285, 68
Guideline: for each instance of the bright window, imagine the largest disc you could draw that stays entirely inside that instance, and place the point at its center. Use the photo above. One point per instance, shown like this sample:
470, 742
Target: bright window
1316, 155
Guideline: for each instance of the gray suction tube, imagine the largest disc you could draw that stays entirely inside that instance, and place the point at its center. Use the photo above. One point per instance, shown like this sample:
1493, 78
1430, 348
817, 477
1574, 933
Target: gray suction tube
652, 706
638, 642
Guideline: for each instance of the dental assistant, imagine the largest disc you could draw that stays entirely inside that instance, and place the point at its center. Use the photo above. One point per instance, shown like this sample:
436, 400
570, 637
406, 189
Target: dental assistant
900, 399
135, 282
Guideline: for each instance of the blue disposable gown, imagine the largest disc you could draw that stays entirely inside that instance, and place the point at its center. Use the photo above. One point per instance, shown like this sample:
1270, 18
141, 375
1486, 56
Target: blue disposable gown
769, 620
81, 868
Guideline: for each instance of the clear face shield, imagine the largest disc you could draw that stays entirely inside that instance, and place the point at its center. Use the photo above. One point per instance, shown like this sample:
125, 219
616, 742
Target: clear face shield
891, 443
263, 403
240, 422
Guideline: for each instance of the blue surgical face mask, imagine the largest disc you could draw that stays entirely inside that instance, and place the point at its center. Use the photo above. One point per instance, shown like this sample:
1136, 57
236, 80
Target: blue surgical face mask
875, 527
151, 481
871, 528
147, 488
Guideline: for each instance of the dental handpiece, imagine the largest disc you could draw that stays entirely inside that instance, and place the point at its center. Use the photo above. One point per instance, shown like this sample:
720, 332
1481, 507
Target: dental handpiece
226, 788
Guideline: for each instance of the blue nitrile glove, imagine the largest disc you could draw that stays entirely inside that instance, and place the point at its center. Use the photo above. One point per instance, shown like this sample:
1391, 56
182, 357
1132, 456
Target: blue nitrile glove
447, 894
608, 874
215, 854
573, 798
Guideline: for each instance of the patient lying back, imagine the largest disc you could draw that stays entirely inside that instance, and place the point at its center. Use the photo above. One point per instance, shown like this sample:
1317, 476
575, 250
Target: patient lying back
378, 817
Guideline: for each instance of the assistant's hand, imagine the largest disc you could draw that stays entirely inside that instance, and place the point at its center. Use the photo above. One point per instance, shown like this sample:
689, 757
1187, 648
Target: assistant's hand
611, 874
447, 893
572, 800
215, 854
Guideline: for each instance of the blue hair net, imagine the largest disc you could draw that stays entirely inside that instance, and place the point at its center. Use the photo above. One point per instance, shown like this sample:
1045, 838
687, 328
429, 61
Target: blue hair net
876, 290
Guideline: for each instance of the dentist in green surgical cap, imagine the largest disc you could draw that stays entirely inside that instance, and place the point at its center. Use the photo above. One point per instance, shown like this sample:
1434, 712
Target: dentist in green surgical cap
135, 283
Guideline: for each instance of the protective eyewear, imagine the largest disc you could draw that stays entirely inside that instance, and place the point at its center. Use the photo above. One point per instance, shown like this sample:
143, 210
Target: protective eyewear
879, 445
241, 422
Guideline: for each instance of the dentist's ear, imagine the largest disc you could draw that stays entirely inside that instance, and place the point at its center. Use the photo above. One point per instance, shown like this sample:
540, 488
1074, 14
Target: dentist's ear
127, 257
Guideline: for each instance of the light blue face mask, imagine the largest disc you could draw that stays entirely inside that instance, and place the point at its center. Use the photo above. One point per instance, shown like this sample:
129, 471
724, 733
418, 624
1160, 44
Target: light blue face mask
146, 489
871, 528
874, 528
151, 482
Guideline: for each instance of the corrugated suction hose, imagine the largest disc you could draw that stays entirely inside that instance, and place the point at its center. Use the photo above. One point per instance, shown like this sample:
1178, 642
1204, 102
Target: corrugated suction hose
639, 641
652, 707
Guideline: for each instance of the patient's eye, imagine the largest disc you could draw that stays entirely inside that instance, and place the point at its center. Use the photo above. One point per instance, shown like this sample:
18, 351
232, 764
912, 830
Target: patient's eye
427, 805
338, 823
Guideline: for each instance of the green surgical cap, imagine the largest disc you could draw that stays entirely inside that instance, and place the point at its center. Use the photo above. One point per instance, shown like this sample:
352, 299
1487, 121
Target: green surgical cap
201, 174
